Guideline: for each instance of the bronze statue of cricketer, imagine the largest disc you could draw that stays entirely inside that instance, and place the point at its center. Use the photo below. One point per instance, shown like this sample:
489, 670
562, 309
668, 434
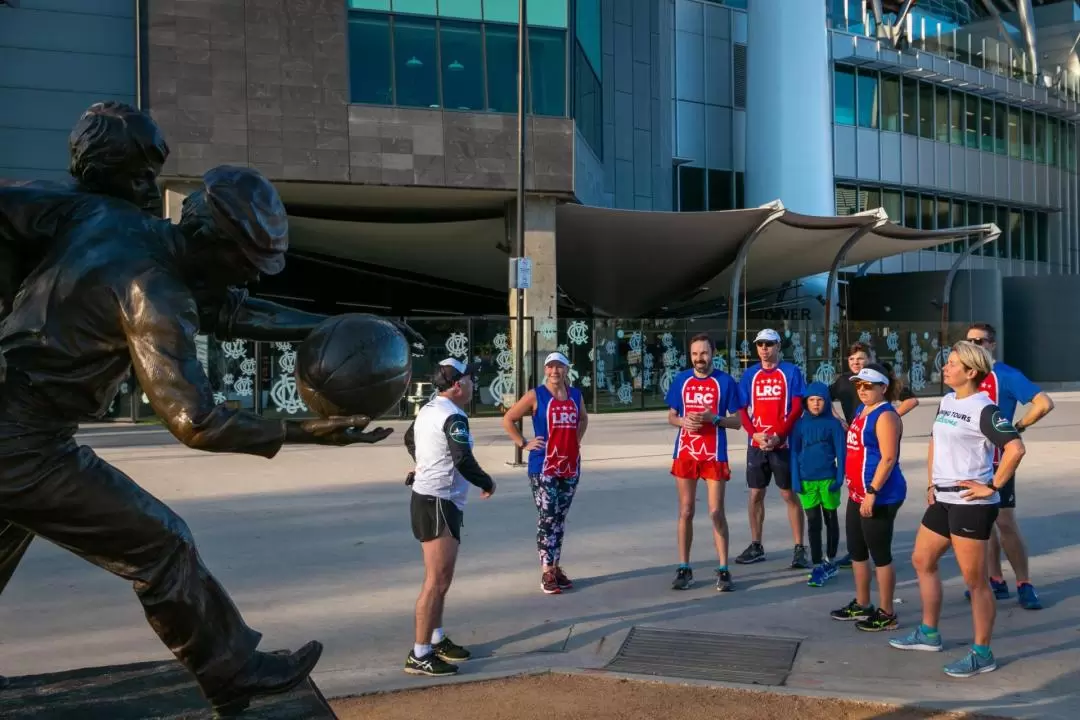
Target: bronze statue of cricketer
116, 288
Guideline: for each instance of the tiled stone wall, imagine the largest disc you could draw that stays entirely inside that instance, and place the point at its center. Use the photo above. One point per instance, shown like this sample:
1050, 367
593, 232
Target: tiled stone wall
265, 83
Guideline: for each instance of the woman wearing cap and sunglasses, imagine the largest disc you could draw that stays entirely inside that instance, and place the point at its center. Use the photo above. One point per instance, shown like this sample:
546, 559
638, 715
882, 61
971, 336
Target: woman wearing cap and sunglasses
559, 424
876, 490
963, 497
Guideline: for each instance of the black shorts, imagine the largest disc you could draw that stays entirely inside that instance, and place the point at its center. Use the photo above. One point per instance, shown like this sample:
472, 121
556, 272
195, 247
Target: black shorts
432, 516
761, 467
1007, 493
967, 521
871, 537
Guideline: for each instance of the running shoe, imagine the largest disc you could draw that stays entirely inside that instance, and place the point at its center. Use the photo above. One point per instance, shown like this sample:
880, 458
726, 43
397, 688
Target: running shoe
999, 588
549, 584
753, 553
430, 665
450, 652
818, 576
684, 579
1029, 599
564, 582
879, 621
800, 559
831, 570
723, 581
970, 665
853, 611
844, 563
918, 640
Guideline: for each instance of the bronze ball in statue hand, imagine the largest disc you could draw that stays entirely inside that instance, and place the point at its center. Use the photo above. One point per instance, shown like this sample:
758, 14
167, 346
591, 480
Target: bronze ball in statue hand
353, 364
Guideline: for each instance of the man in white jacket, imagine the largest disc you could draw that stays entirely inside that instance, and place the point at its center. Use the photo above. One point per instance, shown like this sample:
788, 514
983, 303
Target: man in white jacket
441, 444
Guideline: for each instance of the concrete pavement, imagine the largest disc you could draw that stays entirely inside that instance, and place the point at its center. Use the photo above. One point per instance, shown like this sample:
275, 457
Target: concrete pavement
316, 544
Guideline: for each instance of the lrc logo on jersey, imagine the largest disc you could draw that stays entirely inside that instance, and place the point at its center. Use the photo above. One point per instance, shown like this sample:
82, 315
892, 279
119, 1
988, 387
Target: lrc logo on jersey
768, 391
698, 398
564, 419
852, 438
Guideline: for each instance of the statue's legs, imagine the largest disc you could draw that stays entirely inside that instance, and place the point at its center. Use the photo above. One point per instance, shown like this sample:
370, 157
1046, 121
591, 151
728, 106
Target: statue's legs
65, 493
14, 541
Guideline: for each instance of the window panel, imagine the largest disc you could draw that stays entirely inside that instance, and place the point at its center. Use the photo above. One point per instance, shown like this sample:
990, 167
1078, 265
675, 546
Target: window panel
740, 191
721, 190
971, 120
1042, 237
944, 218
986, 125
844, 95
462, 65
383, 5
501, 11
847, 200
988, 217
1016, 240
587, 31
500, 44
1052, 142
959, 219
926, 111
1027, 130
941, 102
956, 118
928, 212
1014, 132
370, 73
547, 72
911, 210
890, 103
463, 9
1002, 243
415, 62
1001, 129
588, 103
549, 13
415, 7
892, 201
869, 104
869, 199
910, 94
1029, 232
691, 189
1040, 139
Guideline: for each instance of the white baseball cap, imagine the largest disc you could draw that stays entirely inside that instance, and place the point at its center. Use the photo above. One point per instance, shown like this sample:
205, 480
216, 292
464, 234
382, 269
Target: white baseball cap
556, 357
450, 371
869, 374
768, 335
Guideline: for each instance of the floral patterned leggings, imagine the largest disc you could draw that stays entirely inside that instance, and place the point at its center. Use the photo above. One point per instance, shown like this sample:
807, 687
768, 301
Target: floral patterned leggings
552, 497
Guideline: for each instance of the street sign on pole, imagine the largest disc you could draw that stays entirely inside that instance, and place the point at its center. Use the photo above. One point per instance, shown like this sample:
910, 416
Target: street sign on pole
521, 273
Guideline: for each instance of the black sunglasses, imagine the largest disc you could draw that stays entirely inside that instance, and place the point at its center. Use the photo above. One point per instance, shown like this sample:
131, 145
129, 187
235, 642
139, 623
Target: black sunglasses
980, 341
765, 343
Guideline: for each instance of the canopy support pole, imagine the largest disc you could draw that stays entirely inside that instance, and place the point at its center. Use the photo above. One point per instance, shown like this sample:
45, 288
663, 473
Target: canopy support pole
992, 234
834, 270
778, 211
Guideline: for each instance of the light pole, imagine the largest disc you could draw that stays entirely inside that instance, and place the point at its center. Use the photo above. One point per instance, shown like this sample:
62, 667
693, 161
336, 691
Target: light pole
519, 230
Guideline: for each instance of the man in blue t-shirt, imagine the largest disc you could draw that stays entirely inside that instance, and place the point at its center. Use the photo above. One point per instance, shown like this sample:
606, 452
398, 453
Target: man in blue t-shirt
1008, 387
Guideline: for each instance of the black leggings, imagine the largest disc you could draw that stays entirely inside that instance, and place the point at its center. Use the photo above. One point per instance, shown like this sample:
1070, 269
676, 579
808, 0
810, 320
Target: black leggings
871, 536
832, 533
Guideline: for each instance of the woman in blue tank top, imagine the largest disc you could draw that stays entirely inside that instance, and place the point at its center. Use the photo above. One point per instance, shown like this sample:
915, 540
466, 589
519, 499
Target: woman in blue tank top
876, 490
559, 422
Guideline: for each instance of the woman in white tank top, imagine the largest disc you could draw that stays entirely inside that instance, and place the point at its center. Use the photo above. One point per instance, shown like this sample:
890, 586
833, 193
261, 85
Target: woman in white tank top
963, 503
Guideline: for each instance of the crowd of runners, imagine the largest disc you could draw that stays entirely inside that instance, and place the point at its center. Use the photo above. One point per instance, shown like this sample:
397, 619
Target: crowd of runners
812, 441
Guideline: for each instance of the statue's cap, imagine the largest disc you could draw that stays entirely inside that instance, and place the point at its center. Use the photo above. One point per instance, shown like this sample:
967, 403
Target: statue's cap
246, 206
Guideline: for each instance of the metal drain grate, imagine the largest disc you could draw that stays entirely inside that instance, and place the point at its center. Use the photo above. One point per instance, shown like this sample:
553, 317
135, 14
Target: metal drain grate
751, 659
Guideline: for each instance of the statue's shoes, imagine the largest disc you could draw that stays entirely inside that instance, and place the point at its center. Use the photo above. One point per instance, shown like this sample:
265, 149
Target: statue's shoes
266, 674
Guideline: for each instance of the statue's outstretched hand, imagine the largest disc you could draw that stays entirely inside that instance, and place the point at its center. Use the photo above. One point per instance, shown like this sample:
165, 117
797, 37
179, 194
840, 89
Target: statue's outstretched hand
338, 431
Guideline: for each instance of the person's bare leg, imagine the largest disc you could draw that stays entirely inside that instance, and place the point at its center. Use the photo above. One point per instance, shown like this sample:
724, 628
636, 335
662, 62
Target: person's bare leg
795, 516
1012, 542
440, 557
755, 508
718, 514
929, 547
993, 555
861, 571
971, 557
685, 528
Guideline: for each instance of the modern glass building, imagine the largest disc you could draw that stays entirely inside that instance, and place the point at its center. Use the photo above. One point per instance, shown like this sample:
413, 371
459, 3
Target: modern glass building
390, 129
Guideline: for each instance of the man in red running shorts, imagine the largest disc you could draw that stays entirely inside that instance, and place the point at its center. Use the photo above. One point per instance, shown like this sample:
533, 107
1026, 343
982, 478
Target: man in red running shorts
701, 401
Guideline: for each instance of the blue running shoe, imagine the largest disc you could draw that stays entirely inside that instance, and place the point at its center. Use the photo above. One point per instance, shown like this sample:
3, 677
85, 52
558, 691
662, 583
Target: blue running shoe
844, 562
1029, 599
818, 576
918, 640
831, 570
971, 665
1000, 590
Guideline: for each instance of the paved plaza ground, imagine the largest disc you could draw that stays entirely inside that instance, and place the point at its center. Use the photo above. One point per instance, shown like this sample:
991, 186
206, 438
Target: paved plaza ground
316, 544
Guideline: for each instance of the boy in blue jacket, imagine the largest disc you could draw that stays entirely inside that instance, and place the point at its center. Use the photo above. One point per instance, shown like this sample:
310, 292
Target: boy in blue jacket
818, 446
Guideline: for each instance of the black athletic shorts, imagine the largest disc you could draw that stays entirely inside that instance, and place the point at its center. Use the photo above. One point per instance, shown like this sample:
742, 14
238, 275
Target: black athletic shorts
967, 521
761, 467
1007, 493
432, 516
871, 537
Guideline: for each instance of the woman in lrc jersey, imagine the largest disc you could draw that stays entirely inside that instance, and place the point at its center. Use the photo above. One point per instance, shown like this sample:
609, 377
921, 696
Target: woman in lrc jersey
559, 424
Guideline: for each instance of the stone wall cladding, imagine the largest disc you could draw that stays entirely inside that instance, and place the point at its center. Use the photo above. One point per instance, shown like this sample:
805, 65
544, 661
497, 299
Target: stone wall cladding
265, 83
